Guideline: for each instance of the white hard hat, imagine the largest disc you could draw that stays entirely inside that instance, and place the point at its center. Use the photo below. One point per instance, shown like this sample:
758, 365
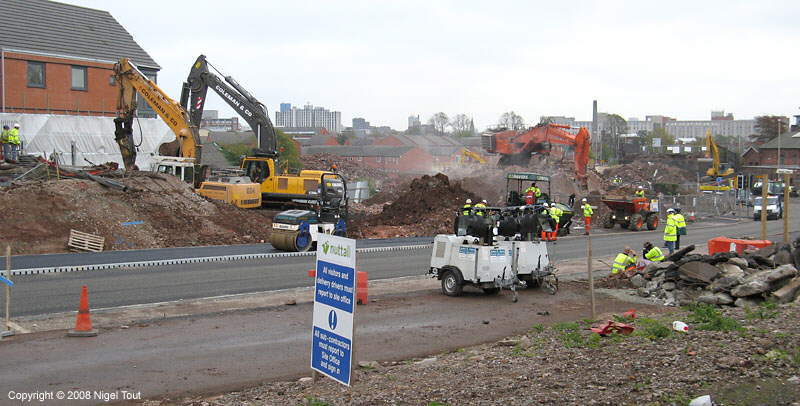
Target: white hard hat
584, 199
670, 210
16, 125
469, 201
484, 201
641, 187
545, 205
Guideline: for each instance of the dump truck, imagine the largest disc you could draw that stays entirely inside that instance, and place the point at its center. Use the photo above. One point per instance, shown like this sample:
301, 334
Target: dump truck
633, 214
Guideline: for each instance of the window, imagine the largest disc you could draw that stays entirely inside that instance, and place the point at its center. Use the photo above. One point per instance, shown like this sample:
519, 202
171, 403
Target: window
35, 74
79, 78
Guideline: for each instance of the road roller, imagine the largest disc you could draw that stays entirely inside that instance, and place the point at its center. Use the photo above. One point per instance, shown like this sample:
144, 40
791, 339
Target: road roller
297, 230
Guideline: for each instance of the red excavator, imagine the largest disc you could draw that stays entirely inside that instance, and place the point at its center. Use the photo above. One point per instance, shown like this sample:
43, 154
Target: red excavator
516, 147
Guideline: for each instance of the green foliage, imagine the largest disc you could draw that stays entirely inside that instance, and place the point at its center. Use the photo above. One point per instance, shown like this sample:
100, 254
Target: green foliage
708, 317
435, 403
310, 401
769, 127
765, 310
566, 326
341, 139
538, 327
287, 152
234, 152
623, 319
652, 329
572, 339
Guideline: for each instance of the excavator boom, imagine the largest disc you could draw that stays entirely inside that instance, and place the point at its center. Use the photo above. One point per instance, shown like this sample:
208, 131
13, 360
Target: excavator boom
131, 81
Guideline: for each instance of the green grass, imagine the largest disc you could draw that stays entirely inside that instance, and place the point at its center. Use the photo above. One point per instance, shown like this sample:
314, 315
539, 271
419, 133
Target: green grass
709, 317
310, 401
568, 326
539, 327
652, 329
765, 310
435, 403
574, 339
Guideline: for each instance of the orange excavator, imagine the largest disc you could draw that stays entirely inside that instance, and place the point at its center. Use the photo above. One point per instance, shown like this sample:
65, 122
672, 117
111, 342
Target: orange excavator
516, 147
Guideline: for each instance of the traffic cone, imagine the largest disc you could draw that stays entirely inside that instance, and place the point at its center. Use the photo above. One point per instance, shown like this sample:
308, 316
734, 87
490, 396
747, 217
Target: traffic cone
83, 323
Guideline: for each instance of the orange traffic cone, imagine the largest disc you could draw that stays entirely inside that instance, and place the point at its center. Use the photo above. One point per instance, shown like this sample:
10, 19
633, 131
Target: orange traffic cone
83, 323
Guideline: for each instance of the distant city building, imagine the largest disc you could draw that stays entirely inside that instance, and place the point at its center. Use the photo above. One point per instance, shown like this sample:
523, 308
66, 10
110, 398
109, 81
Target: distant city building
720, 124
413, 121
220, 124
308, 117
360, 124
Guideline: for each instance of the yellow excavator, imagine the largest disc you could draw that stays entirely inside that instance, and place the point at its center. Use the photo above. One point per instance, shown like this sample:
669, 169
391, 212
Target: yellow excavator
470, 155
716, 171
180, 157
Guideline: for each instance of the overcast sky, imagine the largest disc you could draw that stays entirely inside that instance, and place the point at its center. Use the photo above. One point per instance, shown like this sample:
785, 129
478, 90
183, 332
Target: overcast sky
386, 60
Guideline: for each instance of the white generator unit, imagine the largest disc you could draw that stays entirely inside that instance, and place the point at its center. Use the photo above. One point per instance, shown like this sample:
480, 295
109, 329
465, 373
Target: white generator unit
460, 261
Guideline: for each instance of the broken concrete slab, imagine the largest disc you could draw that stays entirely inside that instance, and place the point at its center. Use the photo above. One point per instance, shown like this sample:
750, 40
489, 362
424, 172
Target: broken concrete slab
780, 273
680, 253
638, 281
740, 262
788, 292
784, 255
668, 286
726, 283
747, 302
750, 288
716, 298
698, 271
729, 269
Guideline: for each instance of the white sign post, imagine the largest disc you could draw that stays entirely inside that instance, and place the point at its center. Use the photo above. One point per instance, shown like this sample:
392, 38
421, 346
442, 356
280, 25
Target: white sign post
334, 307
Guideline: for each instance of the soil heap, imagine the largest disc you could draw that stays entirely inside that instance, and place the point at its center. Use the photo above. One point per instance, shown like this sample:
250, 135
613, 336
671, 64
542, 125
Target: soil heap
424, 207
171, 215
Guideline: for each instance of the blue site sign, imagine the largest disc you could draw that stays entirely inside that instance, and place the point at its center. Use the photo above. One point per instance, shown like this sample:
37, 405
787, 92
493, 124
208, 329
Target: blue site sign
6, 281
334, 305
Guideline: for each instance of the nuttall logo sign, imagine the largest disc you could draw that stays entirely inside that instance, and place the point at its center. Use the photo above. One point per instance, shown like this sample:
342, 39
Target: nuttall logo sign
336, 250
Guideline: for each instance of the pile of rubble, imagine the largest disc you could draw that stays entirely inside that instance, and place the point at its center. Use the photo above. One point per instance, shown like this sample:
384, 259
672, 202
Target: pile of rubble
148, 211
725, 278
648, 172
426, 206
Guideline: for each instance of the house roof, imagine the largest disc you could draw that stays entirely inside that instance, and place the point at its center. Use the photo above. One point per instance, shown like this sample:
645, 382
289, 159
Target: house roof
786, 140
425, 141
364, 150
59, 29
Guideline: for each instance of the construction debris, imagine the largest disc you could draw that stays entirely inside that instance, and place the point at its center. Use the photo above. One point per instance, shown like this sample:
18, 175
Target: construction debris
725, 278
155, 212
426, 206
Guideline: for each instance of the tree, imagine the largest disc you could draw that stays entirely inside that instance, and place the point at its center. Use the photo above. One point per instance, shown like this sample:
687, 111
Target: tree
439, 121
462, 125
289, 156
512, 121
769, 127
341, 138
662, 134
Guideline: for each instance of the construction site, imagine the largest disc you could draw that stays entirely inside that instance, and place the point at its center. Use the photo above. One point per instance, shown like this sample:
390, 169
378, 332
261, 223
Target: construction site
156, 253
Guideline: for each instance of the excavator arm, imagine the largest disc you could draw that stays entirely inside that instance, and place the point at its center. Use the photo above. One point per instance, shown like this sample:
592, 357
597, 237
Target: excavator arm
193, 99
131, 81
713, 152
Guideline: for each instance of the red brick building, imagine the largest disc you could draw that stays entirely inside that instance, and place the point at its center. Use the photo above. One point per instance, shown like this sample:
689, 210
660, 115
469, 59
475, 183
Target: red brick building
390, 158
763, 159
58, 59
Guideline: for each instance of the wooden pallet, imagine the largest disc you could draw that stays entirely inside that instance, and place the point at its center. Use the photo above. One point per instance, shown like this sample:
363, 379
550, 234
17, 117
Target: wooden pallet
79, 241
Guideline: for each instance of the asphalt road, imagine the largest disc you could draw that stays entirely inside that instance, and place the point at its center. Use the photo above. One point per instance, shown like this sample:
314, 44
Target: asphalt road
49, 293
111, 257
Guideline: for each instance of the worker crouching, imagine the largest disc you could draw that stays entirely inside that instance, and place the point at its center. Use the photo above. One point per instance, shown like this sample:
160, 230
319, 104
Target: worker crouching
624, 263
652, 253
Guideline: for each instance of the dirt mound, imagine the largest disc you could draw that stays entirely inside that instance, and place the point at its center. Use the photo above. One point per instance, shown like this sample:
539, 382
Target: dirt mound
161, 212
425, 206
643, 172
351, 170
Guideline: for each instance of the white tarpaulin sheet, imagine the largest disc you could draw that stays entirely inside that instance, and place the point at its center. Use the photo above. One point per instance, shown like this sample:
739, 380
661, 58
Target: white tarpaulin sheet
93, 137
